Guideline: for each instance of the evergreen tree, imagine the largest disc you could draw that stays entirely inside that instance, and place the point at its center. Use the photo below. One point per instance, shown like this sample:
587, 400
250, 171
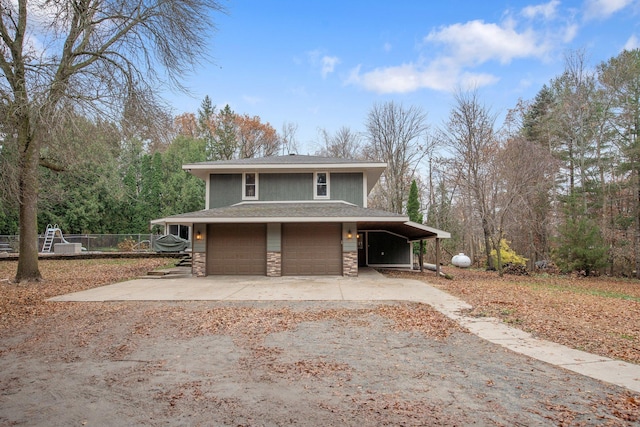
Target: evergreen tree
224, 143
413, 209
581, 246
413, 204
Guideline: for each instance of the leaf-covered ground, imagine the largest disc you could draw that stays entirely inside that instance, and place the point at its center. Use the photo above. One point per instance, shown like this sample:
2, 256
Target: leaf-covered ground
22, 302
276, 363
600, 315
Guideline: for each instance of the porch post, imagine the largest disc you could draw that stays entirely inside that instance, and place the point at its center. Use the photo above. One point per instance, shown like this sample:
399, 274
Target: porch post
199, 250
437, 256
420, 256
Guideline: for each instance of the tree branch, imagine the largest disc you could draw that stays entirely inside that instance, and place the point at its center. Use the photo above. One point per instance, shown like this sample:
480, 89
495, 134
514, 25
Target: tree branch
46, 163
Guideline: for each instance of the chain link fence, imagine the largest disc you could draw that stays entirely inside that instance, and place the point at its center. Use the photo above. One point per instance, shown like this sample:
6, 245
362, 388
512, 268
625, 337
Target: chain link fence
92, 242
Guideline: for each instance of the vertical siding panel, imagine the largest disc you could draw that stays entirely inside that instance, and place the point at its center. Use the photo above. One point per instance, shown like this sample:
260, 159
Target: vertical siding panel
226, 190
286, 186
347, 187
274, 237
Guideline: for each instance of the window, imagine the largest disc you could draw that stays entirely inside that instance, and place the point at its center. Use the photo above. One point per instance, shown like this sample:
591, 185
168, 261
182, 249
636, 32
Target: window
322, 185
179, 230
250, 185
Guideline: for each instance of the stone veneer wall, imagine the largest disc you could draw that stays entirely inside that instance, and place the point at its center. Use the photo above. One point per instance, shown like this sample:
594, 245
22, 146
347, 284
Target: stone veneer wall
198, 264
274, 264
350, 264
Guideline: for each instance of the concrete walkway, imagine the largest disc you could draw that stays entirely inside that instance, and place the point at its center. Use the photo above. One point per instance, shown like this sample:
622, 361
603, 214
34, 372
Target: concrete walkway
369, 286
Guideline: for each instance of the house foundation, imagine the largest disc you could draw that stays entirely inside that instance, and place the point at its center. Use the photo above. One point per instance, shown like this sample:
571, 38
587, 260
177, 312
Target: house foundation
274, 264
198, 264
350, 264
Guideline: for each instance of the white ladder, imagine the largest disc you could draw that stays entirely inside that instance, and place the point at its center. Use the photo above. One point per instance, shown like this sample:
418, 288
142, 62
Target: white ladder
49, 237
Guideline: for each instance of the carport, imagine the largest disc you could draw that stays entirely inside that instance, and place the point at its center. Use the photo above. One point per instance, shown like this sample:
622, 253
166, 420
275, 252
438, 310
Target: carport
412, 232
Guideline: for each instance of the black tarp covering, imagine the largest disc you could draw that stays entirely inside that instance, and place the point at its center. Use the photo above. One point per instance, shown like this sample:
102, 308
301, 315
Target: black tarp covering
170, 243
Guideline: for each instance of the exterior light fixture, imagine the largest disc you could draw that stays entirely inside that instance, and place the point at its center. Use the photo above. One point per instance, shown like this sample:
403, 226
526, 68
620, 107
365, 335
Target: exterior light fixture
349, 235
198, 235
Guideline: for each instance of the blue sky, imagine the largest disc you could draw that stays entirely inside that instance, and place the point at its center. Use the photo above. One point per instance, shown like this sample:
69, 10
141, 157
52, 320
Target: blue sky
325, 63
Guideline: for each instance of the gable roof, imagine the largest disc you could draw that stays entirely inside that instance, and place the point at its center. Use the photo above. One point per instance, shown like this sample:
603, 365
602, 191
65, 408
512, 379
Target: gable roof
290, 163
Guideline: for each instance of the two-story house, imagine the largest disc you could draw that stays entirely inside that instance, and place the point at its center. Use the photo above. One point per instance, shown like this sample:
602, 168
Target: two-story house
295, 215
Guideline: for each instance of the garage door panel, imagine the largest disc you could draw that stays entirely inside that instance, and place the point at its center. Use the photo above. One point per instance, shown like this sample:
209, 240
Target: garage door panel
237, 249
311, 249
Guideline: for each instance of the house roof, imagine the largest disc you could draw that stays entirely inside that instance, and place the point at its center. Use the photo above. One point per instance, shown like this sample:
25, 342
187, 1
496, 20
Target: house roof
291, 163
283, 212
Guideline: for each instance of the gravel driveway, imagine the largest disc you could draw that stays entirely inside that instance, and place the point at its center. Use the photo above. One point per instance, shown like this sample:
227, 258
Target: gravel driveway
276, 363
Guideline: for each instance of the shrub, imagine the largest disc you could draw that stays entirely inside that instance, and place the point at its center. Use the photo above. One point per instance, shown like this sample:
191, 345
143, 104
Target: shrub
507, 255
126, 245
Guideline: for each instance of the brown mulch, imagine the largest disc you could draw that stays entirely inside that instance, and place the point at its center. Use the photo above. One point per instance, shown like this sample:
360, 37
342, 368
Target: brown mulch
600, 315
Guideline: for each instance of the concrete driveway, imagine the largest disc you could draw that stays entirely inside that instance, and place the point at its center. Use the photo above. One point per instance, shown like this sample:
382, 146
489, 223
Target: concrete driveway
368, 286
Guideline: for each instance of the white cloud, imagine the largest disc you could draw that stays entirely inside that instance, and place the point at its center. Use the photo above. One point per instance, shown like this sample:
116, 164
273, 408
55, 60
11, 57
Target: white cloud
476, 42
602, 9
569, 33
545, 10
632, 43
326, 63
329, 64
404, 78
452, 55
470, 81
440, 75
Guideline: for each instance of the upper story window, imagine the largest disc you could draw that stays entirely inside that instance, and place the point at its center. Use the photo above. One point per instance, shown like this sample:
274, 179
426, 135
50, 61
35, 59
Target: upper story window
321, 188
250, 186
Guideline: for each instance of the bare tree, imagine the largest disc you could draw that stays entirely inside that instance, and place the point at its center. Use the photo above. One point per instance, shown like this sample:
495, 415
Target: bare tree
524, 171
94, 57
289, 141
344, 144
575, 122
469, 134
398, 136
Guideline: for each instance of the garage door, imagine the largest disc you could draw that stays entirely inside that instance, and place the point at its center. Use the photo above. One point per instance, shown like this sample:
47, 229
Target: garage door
311, 249
237, 249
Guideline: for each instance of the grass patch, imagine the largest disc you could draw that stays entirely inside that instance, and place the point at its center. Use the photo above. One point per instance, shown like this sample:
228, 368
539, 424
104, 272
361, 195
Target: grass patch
581, 290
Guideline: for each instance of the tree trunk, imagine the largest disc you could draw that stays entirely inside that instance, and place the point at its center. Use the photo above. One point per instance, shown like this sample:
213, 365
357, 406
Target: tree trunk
636, 245
487, 243
498, 249
28, 202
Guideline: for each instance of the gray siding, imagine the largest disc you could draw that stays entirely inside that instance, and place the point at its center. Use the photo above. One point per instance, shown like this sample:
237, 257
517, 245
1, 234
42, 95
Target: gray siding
347, 187
199, 246
386, 249
225, 190
274, 237
349, 245
285, 186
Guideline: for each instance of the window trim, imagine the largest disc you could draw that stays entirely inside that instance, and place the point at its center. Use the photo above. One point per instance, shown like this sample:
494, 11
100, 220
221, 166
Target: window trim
315, 185
244, 186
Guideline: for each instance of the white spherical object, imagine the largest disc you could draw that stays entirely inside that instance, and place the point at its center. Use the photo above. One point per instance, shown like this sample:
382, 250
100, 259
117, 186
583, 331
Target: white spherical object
461, 260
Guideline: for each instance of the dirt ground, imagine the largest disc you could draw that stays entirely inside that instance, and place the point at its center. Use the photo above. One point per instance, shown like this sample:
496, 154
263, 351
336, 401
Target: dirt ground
275, 364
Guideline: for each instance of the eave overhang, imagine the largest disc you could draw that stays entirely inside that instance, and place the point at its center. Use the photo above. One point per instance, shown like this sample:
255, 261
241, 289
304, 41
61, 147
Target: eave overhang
308, 212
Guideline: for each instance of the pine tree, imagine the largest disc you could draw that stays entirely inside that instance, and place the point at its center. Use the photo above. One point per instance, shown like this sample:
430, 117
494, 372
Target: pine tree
580, 243
413, 204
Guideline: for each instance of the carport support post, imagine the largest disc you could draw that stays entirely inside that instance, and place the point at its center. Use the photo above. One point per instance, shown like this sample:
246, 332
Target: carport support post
420, 256
437, 257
